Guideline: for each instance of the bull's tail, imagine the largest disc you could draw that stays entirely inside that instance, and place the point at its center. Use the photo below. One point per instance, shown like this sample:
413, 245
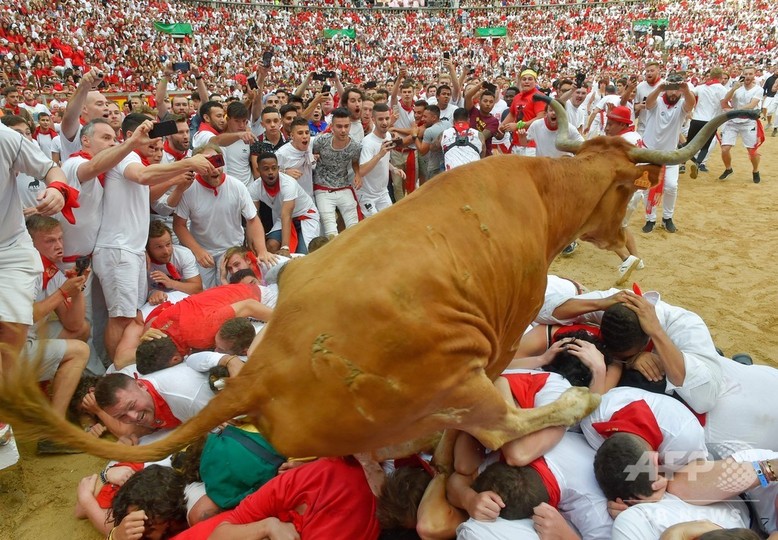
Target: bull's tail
24, 406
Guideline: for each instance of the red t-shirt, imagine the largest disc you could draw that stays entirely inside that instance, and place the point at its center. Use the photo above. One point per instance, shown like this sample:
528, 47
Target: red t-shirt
336, 496
193, 322
524, 108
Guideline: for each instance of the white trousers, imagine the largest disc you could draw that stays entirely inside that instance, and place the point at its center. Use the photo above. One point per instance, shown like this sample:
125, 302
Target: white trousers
329, 201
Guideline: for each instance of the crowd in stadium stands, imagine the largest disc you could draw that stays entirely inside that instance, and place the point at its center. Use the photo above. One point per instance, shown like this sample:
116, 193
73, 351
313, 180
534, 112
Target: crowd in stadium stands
45, 41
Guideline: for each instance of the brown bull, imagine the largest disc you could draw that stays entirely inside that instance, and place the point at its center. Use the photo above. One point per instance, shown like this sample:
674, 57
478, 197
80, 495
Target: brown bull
397, 328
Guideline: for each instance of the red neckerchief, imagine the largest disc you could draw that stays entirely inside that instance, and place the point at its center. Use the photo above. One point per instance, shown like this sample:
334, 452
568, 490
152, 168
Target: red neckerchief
254, 263
525, 386
49, 271
16, 110
208, 186
33, 104
70, 194
87, 156
636, 419
163, 416
207, 127
172, 271
549, 480
143, 160
628, 129
545, 119
82, 121
51, 133
178, 156
407, 109
712, 82
272, 191
653, 85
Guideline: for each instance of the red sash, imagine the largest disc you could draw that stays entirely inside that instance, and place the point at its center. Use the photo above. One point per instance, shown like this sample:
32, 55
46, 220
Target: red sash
525, 387
87, 156
410, 170
636, 419
655, 193
549, 480
163, 416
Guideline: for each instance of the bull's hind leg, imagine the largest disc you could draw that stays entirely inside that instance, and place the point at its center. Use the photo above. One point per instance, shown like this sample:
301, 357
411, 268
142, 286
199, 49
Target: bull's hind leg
495, 422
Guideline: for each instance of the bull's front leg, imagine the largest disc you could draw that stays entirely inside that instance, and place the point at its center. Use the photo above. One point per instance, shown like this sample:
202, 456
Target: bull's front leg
508, 422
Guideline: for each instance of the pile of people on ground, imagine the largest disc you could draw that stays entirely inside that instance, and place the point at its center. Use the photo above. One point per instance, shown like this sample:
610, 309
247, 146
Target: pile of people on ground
144, 243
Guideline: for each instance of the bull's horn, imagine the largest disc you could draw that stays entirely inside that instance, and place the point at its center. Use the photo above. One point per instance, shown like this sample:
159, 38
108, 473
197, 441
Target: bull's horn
682, 155
563, 141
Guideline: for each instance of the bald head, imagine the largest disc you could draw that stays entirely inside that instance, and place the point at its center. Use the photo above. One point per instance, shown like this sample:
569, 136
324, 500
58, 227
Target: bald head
96, 106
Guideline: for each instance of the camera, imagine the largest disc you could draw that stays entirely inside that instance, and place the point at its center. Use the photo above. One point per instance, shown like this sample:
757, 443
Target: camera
397, 143
580, 79
82, 263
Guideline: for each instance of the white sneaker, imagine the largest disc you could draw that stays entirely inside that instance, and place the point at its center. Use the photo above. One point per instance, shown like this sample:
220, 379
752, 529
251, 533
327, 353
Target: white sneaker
627, 267
641, 266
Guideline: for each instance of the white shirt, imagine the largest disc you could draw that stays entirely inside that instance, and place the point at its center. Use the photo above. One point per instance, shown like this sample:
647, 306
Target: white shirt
642, 91
29, 188
683, 438
374, 183
185, 390
44, 140
581, 501
290, 191
80, 239
558, 291
69, 147
663, 125
708, 101
742, 98
56, 281
575, 115
56, 146
600, 110
545, 139
214, 220
17, 154
183, 260
647, 521
125, 220
201, 137
499, 529
459, 155
237, 163
356, 131
290, 157
447, 114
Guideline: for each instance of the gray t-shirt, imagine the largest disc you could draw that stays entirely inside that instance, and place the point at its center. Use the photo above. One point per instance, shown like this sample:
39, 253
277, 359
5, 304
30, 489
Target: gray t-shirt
435, 155
333, 166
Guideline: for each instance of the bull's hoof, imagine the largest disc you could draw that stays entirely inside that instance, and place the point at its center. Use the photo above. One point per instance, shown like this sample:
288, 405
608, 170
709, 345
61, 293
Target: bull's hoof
577, 402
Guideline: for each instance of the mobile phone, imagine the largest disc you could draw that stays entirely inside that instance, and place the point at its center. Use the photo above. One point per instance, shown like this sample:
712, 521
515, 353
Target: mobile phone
267, 58
447, 55
82, 263
397, 143
471, 72
325, 88
329, 74
580, 79
103, 85
251, 80
217, 160
742, 78
370, 84
490, 87
183, 67
672, 86
162, 129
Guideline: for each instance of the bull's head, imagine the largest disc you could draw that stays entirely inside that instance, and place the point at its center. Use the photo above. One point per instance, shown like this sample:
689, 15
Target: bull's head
630, 167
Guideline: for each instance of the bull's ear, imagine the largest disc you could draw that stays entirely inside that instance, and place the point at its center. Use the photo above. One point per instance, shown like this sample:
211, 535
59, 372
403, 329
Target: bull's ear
648, 176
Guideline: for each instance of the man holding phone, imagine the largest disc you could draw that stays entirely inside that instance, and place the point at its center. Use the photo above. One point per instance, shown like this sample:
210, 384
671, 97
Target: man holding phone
481, 117
60, 345
374, 164
119, 259
744, 94
664, 119
208, 218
